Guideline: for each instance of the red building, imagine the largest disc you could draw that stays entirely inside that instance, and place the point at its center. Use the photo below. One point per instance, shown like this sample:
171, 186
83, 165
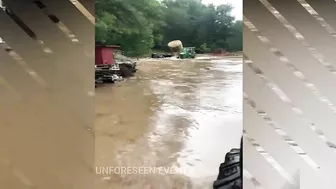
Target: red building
105, 54
220, 52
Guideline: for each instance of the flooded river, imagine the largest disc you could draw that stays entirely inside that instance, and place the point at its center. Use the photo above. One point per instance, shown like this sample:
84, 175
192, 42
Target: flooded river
170, 126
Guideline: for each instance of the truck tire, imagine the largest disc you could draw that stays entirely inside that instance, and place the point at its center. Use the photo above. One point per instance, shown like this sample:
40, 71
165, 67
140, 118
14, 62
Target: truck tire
230, 172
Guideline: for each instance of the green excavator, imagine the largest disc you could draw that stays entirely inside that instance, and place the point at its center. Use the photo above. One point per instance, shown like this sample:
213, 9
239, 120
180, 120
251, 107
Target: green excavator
181, 52
187, 52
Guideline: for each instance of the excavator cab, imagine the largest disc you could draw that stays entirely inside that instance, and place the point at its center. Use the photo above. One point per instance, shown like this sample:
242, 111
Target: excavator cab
187, 52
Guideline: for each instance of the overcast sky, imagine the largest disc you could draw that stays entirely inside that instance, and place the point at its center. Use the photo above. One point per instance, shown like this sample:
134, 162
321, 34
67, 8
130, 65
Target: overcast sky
237, 4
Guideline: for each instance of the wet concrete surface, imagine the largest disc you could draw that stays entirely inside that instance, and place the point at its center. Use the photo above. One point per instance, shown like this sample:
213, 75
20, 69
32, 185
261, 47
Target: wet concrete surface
179, 116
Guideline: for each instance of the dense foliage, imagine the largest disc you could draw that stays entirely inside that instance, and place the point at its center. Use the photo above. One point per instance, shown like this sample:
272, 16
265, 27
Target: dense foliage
142, 25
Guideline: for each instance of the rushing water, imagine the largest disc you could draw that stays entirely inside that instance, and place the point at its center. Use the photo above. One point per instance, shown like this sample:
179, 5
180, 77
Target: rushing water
181, 115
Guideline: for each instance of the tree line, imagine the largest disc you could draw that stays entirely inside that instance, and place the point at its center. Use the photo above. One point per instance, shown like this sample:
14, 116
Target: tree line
140, 26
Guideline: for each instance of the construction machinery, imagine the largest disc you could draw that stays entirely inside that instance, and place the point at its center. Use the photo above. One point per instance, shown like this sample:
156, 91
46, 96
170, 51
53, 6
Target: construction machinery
179, 51
187, 52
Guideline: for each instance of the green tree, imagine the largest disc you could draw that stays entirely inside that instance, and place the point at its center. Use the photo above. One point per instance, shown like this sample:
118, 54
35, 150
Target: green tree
127, 23
235, 41
141, 25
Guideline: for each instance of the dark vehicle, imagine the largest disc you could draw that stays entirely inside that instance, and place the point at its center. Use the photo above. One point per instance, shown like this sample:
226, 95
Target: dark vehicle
167, 55
158, 55
230, 172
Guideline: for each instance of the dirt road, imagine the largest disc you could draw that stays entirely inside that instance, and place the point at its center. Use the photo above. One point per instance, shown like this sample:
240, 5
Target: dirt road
174, 115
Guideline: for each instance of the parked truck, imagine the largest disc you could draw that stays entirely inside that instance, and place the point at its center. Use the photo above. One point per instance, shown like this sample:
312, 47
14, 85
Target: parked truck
111, 66
106, 67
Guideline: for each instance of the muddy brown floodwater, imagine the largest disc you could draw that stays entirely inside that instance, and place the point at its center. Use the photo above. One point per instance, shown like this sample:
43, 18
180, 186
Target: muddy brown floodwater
170, 126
